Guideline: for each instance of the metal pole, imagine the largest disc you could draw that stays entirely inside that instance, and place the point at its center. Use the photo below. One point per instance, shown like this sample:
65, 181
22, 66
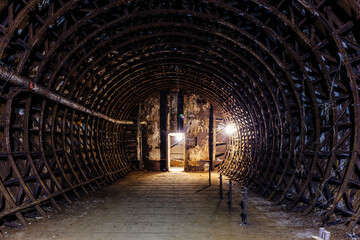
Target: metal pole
244, 207
209, 175
230, 194
41, 91
221, 188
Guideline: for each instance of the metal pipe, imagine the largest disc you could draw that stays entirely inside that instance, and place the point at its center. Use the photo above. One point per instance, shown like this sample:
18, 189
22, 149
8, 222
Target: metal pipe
20, 81
230, 194
221, 187
244, 207
209, 174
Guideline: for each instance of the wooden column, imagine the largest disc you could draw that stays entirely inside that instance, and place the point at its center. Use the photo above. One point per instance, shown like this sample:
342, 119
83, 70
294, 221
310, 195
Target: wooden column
139, 139
180, 112
211, 138
163, 129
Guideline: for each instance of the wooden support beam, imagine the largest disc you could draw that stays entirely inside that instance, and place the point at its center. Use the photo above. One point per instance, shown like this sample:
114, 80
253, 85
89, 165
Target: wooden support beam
212, 139
180, 111
163, 129
139, 139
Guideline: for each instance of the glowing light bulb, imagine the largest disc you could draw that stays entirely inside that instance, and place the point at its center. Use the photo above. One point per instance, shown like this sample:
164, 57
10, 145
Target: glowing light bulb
179, 136
230, 129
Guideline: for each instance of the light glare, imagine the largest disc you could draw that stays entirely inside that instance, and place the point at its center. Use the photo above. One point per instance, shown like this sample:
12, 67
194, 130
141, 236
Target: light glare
179, 136
230, 129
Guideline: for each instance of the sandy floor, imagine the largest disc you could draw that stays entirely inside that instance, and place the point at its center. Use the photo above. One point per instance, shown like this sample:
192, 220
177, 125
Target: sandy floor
172, 205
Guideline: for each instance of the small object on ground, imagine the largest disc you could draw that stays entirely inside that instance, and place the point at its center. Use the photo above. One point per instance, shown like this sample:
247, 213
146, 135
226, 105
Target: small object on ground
323, 235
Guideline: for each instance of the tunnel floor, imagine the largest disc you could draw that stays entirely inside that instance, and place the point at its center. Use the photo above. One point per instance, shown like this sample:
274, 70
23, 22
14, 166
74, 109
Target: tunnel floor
153, 205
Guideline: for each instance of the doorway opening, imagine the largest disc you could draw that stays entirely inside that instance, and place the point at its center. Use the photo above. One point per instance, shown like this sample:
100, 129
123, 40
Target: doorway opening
175, 152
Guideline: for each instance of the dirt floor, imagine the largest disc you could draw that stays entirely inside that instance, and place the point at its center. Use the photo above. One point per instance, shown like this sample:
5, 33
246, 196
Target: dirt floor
171, 205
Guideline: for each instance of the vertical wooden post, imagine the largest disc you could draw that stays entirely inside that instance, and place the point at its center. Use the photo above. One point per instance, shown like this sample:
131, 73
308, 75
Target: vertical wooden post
163, 130
180, 112
211, 138
168, 147
180, 121
139, 139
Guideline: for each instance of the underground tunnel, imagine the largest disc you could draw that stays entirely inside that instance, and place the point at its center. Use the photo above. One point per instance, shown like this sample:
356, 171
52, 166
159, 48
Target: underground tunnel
93, 91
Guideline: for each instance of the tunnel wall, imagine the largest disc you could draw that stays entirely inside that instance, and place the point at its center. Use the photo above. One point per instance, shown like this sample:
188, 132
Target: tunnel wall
48, 150
286, 73
195, 125
196, 129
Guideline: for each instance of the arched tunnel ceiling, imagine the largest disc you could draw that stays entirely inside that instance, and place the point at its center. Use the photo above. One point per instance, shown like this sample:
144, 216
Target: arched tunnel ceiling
285, 72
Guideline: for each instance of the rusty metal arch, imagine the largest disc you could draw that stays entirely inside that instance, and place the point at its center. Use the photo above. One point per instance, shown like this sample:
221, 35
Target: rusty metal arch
300, 59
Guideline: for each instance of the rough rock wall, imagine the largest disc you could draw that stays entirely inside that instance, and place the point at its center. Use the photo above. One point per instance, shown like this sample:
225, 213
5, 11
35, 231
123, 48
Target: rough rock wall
196, 129
151, 114
173, 112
